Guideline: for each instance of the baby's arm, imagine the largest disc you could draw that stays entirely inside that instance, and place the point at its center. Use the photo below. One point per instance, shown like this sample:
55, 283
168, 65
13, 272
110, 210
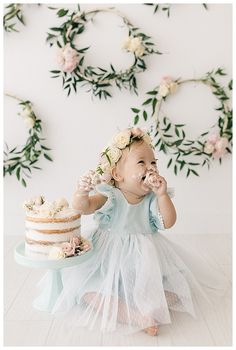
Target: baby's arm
167, 210
81, 200
164, 203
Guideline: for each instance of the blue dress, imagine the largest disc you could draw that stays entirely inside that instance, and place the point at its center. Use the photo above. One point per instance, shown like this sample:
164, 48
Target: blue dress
135, 275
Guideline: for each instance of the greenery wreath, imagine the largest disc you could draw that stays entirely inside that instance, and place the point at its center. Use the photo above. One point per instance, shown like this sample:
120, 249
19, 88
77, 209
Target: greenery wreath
170, 138
71, 59
20, 160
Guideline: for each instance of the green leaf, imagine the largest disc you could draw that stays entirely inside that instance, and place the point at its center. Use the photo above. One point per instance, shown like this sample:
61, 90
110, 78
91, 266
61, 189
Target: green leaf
169, 163
154, 102
47, 157
152, 93
145, 115
175, 169
194, 172
136, 119
148, 101
62, 12
18, 173
23, 182
135, 110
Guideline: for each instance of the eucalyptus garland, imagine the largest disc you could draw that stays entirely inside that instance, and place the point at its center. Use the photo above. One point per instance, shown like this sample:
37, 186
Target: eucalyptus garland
13, 13
20, 160
184, 153
73, 70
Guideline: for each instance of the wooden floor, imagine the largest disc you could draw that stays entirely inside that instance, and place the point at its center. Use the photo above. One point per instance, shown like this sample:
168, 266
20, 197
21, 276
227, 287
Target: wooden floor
25, 326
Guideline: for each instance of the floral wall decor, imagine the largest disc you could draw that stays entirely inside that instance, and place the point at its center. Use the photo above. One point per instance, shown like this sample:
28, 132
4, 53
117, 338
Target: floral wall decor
73, 68
20, 160
184, 153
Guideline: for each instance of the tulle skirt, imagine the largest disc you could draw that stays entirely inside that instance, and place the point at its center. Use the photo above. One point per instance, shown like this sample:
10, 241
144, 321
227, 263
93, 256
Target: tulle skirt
131, 282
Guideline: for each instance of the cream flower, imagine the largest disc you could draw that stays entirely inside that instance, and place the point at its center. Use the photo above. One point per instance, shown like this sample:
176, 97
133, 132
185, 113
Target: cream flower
137, 132
209, 148
147, 139
114, 155
61, 203
29, 122
47, 209
39, 200
134, 44
122, 139
56, 253
163, 90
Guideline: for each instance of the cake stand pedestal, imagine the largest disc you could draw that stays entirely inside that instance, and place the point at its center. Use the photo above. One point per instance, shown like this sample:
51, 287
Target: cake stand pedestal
46, 300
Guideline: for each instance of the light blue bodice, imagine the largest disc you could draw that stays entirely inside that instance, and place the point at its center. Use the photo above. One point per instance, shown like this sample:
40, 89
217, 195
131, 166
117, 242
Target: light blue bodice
120, 217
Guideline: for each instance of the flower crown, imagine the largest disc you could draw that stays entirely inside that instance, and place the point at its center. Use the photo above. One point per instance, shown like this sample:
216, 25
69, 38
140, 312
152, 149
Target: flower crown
111, 155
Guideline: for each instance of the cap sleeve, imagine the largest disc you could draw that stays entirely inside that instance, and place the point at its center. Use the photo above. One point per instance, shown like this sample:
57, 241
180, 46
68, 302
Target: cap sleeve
105, 214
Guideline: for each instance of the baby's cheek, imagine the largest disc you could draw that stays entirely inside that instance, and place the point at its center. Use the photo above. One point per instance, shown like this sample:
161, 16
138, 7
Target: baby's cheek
137, 176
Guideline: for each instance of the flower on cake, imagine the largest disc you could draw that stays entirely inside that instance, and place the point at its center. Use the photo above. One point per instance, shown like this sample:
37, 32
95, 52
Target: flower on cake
38, 205
77, 246
56, 253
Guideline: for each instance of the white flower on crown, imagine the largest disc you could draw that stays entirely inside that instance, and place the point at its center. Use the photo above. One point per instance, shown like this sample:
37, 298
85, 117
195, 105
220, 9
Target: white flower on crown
122, 139
56, 253
146, 138
114, 155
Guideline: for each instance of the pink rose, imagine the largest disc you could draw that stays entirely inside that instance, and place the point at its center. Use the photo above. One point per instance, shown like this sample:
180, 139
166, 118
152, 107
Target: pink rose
67, 58
68, 248
137, 132
213, 138
76, 241
221, 144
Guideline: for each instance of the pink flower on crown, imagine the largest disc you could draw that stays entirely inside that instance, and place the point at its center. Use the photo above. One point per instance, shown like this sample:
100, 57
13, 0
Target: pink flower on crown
137, 132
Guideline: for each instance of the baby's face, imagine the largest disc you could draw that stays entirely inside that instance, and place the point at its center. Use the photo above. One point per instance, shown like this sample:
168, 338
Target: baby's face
134, 166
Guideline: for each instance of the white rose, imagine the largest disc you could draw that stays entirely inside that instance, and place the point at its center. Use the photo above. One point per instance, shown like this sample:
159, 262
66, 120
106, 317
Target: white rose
164, 90
56, 253
29, 122
147, 139
209, 148
47, 209
39, 200
173, 87
140, 51
114, 155
61, 203
105, 166
122, 139
135, 43
26, 113
126, 43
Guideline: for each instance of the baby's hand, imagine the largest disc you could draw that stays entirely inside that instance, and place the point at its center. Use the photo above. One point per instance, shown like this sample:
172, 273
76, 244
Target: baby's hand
156, 182
87, 182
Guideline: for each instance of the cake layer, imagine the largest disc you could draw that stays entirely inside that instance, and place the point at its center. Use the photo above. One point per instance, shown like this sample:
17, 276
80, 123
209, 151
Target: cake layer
64, 216
52, 225
35, 235
36, 249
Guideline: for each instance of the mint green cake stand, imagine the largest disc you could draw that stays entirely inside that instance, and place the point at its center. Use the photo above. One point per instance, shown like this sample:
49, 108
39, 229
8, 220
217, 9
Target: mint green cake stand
48, 297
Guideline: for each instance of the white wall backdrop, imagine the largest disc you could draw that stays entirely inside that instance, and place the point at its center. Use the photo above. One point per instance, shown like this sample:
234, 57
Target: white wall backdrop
193, 41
